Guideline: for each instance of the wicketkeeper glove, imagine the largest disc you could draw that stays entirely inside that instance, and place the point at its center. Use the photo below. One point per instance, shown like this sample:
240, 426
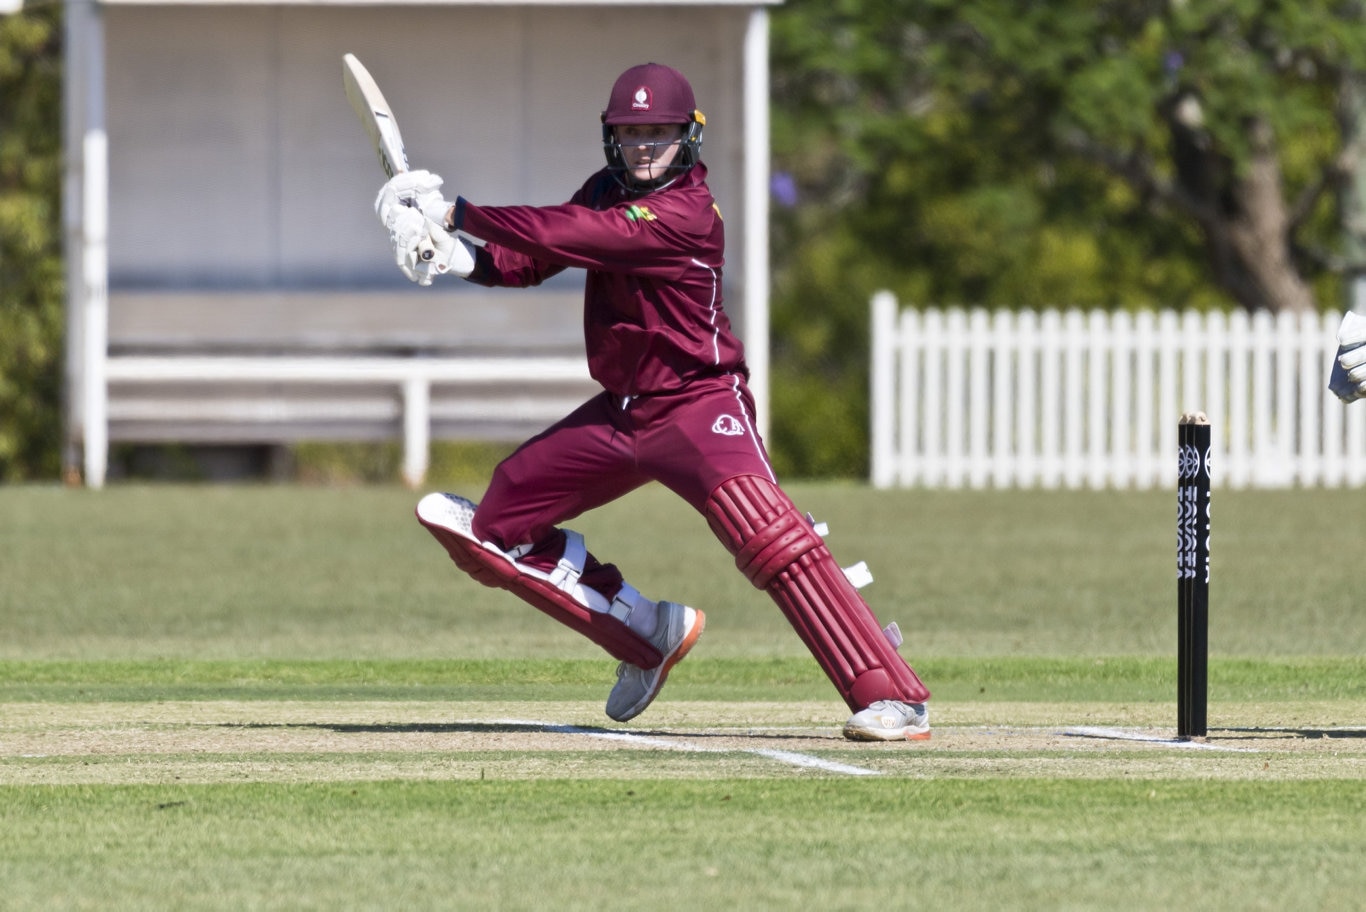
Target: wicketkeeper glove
1348, 378
420, 190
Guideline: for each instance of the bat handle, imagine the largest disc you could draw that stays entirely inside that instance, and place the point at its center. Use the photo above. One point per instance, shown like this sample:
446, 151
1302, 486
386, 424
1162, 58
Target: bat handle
426, 250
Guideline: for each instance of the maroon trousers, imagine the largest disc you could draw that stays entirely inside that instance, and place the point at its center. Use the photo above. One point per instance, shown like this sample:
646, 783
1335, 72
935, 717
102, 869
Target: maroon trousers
689, 442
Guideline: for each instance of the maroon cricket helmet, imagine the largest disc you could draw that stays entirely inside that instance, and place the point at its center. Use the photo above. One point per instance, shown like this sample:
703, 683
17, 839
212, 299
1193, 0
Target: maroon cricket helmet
652, 93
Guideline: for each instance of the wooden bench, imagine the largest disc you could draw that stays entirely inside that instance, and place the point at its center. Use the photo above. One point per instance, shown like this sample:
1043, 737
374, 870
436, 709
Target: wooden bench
254, 368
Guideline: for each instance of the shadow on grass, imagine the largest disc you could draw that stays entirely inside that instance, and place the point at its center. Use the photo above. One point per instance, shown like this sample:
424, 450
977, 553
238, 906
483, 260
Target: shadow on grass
1297, 732
505, 728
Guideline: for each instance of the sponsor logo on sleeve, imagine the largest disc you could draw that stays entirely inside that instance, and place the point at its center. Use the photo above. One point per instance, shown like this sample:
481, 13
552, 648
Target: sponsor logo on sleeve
640, 214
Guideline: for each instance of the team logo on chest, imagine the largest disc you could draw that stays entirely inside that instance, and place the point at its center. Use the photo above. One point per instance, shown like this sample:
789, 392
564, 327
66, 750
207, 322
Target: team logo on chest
728, 426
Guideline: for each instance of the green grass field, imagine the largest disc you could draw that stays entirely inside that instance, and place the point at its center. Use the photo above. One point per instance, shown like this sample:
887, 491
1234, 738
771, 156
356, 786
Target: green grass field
244, 697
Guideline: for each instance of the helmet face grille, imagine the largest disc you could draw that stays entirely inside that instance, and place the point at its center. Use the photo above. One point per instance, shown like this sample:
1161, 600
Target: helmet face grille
689, 154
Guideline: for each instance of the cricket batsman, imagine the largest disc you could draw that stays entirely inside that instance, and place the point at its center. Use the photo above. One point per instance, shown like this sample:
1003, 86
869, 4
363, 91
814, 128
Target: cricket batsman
675, 408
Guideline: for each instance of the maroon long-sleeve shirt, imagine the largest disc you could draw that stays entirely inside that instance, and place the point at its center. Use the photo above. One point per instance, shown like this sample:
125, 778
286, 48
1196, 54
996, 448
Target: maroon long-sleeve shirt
653, 317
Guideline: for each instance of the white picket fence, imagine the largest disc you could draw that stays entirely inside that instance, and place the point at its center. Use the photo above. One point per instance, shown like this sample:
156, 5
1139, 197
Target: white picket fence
1081, 399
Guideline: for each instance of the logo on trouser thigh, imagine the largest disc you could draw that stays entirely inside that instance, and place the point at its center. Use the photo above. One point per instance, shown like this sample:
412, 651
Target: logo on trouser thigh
728, 426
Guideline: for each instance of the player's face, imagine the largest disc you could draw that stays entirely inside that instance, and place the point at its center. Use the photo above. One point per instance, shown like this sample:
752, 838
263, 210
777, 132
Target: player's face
649, 149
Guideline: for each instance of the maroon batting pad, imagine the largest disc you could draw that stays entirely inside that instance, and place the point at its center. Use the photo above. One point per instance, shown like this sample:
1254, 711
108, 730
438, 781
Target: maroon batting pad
778, 550
495, 569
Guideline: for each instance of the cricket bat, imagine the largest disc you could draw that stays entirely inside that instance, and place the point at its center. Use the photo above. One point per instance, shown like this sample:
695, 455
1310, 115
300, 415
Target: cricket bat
378, 120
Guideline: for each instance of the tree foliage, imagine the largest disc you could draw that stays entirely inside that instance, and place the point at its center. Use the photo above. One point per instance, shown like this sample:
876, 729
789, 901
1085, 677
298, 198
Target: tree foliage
1114, 155
31, 274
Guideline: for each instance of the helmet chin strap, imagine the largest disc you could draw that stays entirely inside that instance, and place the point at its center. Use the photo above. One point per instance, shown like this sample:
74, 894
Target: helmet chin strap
631, 185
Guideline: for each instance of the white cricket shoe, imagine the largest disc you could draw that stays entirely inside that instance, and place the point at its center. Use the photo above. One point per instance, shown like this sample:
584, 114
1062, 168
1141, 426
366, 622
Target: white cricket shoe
679, 627
889, 720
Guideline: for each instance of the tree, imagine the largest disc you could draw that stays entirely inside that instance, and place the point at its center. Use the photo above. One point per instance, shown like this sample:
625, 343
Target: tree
1225, 115
31, 282
1226, 119
1115, 155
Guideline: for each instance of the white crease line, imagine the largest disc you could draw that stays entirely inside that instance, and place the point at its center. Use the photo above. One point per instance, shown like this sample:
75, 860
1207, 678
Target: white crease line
1117, 734
814, 762
788, 757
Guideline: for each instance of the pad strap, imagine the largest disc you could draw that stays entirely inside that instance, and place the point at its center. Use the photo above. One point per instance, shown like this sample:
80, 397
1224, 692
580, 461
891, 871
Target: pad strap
567, 572
625, 602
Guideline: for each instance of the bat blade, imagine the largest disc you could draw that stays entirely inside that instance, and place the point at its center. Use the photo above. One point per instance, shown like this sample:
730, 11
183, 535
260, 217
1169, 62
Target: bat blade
375, 115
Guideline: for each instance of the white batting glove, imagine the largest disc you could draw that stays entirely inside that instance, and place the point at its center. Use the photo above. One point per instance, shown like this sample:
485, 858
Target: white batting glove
409, 238
452, 255
420, 190
1347, 380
